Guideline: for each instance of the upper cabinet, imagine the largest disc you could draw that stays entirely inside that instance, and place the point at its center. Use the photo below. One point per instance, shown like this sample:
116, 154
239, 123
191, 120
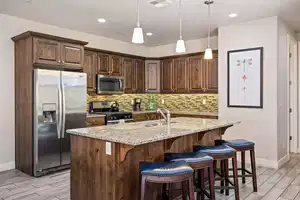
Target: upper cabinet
103, 64
53, 51
180, 75
166, 76
110, 65
134, 75
152, 76
116, 65
90, 69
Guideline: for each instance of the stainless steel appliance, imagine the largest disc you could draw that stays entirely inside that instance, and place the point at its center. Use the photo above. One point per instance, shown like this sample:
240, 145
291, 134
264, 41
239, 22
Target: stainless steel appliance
59, 104
137, 104
111, 111
110, 84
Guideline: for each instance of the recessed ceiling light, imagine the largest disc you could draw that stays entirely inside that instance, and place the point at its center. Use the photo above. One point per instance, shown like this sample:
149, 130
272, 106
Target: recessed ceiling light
149, 34
232, 15
101, 20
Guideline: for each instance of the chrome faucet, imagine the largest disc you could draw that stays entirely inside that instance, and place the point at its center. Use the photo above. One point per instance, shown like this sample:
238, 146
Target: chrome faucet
166, 118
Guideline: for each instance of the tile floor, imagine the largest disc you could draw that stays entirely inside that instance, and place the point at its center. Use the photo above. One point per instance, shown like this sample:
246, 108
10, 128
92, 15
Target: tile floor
282, 184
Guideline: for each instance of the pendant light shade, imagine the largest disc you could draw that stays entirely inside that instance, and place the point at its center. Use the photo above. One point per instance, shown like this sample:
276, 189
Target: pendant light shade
138, 35
180, 45
208, 52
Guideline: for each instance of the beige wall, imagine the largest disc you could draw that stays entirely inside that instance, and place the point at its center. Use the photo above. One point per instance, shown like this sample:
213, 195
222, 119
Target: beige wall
258, 125
192, 46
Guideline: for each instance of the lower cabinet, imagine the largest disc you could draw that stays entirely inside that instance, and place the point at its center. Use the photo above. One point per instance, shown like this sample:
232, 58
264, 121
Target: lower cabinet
194, 116
95, 121
155, 116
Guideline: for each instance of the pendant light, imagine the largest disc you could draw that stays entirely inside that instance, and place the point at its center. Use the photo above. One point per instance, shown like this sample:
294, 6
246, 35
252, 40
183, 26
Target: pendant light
138, 36
180, 46
208, 52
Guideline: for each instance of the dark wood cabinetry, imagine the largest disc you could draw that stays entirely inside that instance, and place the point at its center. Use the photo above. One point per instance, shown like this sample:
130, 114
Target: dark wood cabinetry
58, 54
109, 64
103, 64
180, 75
134, 75
116, 65
89, 68
166, 76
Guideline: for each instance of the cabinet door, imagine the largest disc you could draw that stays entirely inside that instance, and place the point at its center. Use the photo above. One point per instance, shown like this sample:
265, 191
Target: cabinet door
46, 52
116, 66
197, 75
72, 55
180, 75
212, 75
152, 76
103, 64
139, 74
166, 76
89, 67
128, 75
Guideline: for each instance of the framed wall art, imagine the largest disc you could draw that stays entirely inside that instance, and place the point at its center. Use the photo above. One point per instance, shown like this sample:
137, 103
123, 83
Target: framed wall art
245, 78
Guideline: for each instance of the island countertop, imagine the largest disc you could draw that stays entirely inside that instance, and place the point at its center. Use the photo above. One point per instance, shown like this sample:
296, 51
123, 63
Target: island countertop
139, 133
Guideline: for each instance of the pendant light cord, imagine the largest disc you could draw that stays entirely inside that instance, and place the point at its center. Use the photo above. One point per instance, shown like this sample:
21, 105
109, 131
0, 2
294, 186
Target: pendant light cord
138, 13
209, 25
180, 20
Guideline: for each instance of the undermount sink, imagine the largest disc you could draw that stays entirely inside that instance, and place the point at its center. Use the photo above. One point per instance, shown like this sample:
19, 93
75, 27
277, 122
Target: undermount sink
159, 124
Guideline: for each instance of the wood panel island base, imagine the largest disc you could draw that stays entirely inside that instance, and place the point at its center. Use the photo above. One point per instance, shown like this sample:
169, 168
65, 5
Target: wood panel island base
105, 160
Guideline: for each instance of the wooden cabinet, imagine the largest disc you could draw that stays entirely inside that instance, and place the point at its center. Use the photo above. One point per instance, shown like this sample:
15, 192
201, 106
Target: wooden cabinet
103, 64
89, 68
139, 76
166, 76
128, 68
95, 121
180, 75
152, 76
57, 54
203, 75
116, 65
134, 75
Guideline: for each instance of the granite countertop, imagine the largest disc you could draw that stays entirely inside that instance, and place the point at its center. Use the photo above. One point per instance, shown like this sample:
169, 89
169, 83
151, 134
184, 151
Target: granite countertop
139, 133
179, 112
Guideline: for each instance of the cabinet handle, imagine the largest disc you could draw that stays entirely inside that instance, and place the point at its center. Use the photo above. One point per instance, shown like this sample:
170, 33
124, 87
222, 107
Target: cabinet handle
63, 61
59, 61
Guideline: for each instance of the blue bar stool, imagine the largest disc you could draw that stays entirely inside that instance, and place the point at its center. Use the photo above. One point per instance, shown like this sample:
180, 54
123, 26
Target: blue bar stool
168, 173
242, 146
223, 153
199, 162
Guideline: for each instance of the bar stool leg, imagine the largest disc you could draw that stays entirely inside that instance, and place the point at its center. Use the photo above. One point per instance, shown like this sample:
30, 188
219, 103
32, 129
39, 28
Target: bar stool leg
226, 177
202, 184
184, 190
143, 188
191, 189
243, 167
223, 175
253, 168
235, 178
170, 191
211, 183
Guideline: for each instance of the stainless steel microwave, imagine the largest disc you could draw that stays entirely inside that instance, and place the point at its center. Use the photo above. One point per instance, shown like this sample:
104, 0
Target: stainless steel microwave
109, 84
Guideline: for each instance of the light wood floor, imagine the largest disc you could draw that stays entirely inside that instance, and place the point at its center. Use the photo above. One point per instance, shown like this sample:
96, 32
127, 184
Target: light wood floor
282, 184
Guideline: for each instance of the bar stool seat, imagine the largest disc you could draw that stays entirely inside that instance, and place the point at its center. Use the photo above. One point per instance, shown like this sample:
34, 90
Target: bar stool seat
165, 168
167, 174
238, 143
189, 157
199, 162
215, 150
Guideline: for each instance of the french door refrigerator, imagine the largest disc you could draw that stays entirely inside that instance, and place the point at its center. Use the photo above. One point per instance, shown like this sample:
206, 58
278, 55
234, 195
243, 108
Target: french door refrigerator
59, 104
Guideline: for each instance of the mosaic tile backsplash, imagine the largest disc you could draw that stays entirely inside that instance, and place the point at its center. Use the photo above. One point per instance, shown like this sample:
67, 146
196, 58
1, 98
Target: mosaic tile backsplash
173, 102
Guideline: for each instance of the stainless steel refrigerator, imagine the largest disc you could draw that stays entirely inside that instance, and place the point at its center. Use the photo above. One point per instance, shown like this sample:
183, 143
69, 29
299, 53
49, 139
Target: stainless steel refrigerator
59, 104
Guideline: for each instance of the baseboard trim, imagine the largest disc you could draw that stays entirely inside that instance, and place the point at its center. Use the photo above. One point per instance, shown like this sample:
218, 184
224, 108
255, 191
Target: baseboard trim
269, 163
7, 166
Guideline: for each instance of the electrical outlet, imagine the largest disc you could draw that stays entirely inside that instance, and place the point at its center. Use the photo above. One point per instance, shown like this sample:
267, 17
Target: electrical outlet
163, 101
204, 101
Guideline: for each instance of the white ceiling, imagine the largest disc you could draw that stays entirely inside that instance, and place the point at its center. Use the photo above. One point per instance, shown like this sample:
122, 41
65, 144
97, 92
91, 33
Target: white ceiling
162, 22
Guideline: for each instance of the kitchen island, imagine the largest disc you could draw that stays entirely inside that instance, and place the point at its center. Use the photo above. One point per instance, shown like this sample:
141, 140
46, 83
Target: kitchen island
105, 159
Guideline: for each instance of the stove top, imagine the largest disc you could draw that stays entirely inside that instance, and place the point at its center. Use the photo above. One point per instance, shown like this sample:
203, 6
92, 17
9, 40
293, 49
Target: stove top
115, 116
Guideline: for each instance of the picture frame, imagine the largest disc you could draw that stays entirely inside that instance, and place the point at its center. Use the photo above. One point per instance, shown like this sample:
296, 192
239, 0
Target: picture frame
245, 78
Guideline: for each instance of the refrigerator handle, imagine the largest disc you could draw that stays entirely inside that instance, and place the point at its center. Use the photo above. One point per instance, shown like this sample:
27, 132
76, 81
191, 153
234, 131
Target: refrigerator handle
59, 114
63, 110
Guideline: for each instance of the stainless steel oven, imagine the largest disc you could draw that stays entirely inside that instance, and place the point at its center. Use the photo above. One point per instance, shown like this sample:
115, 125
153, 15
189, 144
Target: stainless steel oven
110, 84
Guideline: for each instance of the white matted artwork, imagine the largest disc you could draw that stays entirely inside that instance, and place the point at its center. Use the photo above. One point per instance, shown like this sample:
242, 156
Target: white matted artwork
245, 78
